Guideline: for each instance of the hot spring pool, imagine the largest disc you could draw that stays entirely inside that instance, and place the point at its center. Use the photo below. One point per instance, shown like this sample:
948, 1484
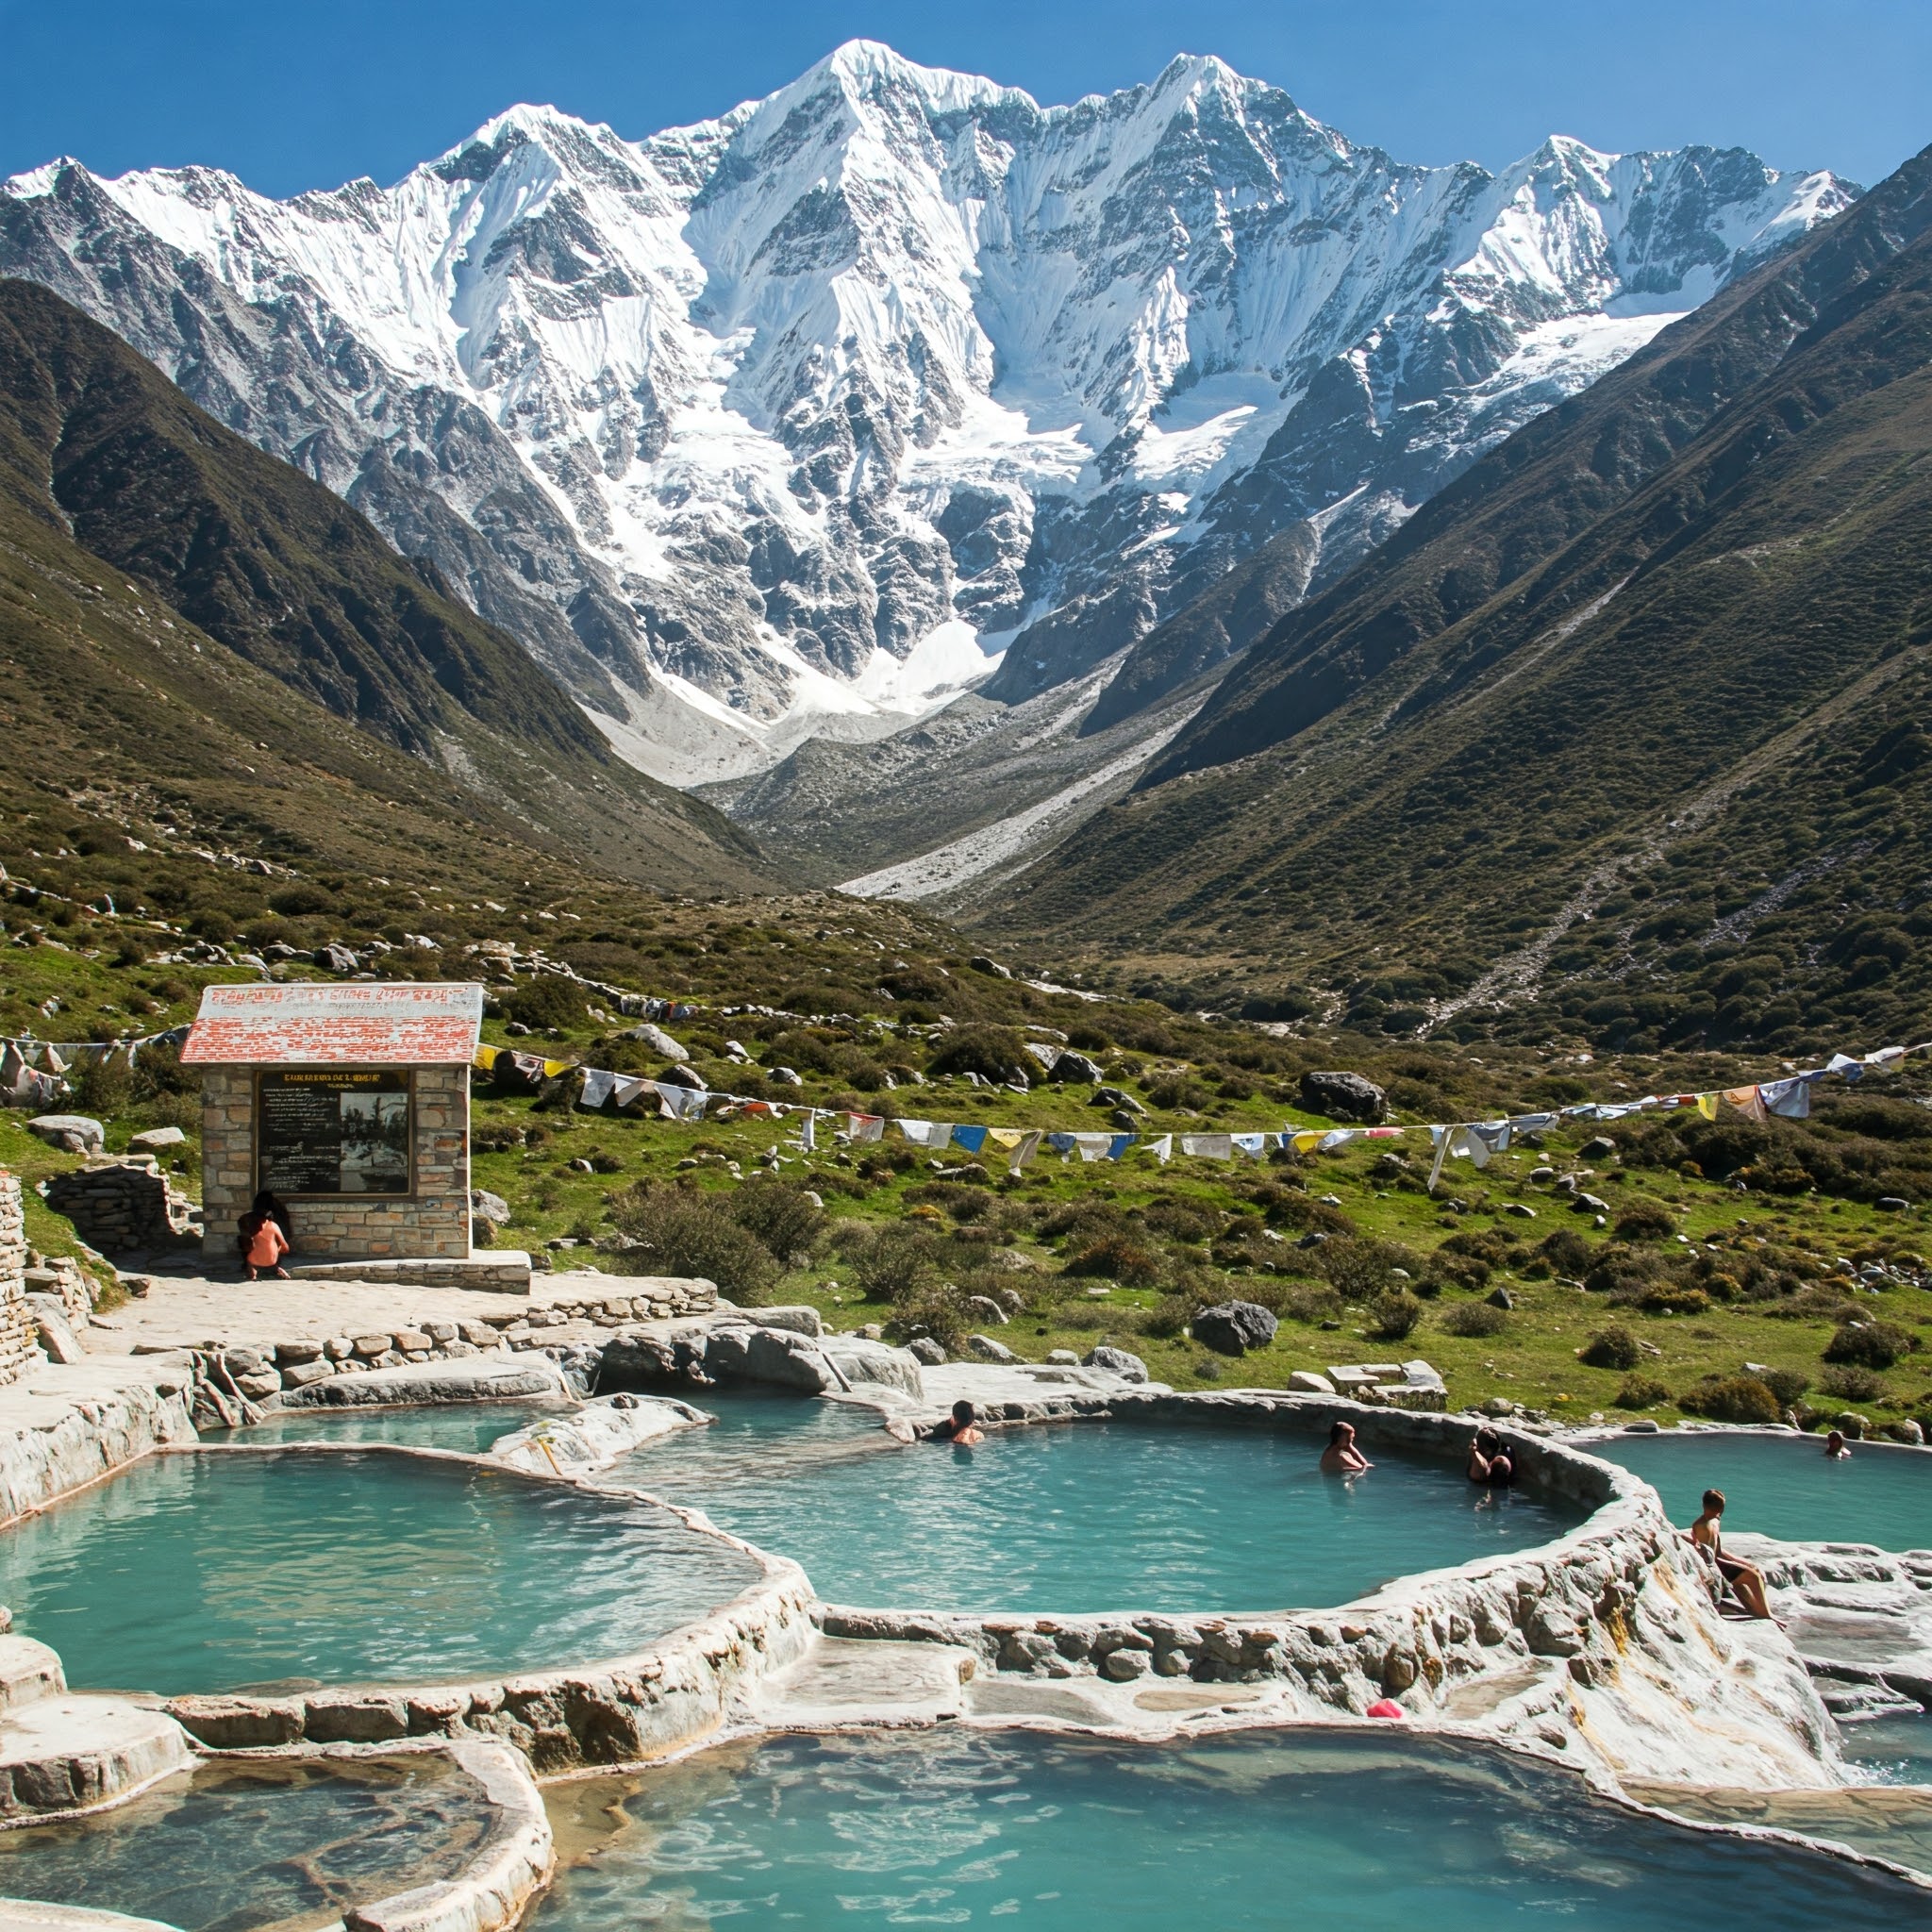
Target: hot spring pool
1078, 1516
236, 1848
1265, 1830
224, 1569
1784, 1486
469, 1427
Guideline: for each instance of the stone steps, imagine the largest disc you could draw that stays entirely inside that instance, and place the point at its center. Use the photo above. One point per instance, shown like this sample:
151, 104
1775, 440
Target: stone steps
70, 1753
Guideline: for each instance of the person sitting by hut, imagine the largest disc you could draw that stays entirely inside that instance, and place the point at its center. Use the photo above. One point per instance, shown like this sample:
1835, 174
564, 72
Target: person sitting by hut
264, 1235
1746, 1580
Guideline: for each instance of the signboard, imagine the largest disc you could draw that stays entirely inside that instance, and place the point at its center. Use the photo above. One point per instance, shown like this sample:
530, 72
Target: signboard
333, 1130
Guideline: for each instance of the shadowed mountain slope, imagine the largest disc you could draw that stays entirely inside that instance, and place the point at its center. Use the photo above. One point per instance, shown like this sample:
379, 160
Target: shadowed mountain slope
1620, 735
105, 466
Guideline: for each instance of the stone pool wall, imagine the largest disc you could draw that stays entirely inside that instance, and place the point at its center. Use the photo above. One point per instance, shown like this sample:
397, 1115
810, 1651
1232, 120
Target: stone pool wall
18, 1346
92, 1438
643, 1706
1605, 1645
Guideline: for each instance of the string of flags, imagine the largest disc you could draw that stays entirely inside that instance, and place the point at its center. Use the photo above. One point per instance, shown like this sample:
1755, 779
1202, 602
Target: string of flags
34, 1072
1476, 1142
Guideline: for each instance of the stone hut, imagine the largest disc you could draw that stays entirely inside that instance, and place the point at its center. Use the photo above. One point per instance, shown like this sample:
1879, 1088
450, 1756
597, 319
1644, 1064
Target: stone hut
350, 1103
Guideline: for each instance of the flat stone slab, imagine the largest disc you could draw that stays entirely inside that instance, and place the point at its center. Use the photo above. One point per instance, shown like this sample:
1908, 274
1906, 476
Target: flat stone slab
843, 1682
989, 1383
72, 1753
470, 1378
28, 1671
594, 1435
33, 1915
498, 1271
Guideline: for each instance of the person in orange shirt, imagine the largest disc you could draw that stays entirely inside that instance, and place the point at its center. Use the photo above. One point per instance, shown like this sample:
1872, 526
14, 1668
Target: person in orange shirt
264, 1237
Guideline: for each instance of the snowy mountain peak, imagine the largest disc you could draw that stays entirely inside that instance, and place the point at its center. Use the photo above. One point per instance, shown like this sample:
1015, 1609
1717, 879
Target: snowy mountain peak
798, 419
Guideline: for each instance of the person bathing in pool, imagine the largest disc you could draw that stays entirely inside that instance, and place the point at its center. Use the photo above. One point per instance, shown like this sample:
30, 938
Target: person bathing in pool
1745, 1579
1836, 1448
1490, 1463
961, 1428
1341, 1457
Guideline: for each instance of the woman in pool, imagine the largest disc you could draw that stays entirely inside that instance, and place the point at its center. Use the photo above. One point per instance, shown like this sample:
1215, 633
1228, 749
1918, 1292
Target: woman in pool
1490, 1463
1747, 1579
1836, 1447
961, 1428
1341, 1457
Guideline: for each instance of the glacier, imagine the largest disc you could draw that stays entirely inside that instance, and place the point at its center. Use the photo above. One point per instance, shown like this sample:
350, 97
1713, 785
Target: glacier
896, 384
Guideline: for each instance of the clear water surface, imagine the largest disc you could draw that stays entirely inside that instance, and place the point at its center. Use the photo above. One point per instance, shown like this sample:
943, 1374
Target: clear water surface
1786, 1486
469, 1427
1891, 1750
238, 1848
1075, 1517
224, 1569
1262, 1832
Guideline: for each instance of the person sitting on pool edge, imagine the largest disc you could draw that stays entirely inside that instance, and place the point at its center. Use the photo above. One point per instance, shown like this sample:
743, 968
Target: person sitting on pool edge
1836, 1447
1490, 1463
1341, 1457
1745, 1579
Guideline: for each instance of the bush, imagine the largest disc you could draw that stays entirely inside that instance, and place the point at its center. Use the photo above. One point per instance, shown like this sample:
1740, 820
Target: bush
1566, 1251
1646, 1220
1181, 1091
1732, 1399
781, 1217
1393, 1315
1357, 1268
1305, 1302
1666, 1300
940, 1309
1614, 1347
1639, 1392
1183, 1221
545, 1001
1851, 1383
103, 1086
683, 1232
1869, 1344
896, 1264
1788, 1385
1116, 1258
994, 1052
1474, 1319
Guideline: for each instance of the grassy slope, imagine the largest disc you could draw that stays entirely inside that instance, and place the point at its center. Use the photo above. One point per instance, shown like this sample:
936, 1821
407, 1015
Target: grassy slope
206, 530
1673, 694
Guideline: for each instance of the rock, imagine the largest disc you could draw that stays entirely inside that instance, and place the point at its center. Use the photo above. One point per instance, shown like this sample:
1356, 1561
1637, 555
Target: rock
926, 1351
1588, 1204
1499, 1406
339, 1348
980, 963
1116, 1362
1500, 1297
1893, 1204
1540, 1177
55, 1337
155, 1138
987, 1350
1123, 1666
259, 1384
801, 1320
244, 1361
1599, 1148
301, 1350
371, 1346
983, 1308
335, 958
1907, 1431
484, 1206
300, 1375
1076, 1068
413, 1341
71, 1133
1306, 1382
441, 1333
655, 1038
594, 1435
1233, 1327
1522, 1209
788, 1076
1062, 1359
1343, 1098
1118, 1098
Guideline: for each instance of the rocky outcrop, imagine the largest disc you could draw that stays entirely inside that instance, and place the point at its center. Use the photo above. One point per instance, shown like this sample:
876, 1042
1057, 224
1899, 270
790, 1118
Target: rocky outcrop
743, 1352
1233, 1327
94, 1436
1343, 1098
595, 1435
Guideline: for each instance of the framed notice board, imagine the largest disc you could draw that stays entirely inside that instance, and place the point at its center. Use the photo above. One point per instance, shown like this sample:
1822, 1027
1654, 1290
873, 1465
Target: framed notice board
333, 1130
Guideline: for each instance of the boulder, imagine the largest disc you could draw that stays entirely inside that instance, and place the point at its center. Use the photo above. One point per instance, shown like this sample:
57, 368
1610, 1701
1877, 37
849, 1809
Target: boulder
484, 1206
982, 1307
987, 1350
259, 1384
926, 1352
1600, 1147
1062, 1359
335, 958
1118, 1098
594, 1436
55, 1337
801, 1320
1306, 1382
1500, 1297
1076, 1068
154, 1140
981, 963
1116, 1362
656, 1040
1343, 1098
71, 1133
1588, 1204
1234, 1328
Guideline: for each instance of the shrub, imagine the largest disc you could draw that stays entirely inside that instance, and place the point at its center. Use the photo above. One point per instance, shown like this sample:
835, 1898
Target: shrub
1305, 1302
1116, 1258
683, 1232
545, 1001
1639, 1392
103, 1086
1851, 1383
1474, 1319
1667, 1300
1357, 1268
1869, 1344
1566, 1251
1085, 1038
1614, 1347
940, 1309
994, 1052
1393, 1315
1177, 1091
1731, 1399
782, 1218
1788, 1385
1457, 1269
896, 1264
1183, 1221
1646, 1220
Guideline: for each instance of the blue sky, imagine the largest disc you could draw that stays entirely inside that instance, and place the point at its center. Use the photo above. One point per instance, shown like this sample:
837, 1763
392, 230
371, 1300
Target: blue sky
299, 94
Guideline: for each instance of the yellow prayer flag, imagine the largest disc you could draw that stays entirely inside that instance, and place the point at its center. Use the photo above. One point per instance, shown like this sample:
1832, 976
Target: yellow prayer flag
1706, 1106
553, 1068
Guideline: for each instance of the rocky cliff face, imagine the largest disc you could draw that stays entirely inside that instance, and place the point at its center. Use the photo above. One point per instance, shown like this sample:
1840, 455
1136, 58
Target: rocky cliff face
793, 422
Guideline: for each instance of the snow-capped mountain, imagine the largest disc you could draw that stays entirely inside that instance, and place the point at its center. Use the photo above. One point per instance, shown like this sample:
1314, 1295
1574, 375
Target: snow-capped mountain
797, 420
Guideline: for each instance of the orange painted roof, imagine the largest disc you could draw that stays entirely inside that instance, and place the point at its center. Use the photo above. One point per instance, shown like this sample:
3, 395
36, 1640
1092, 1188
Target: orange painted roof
365, 1023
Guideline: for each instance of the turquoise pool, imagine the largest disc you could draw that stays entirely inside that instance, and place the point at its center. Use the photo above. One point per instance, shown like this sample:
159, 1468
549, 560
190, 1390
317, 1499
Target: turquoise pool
1785, 1486
1891, 1750
224, 1569
1080, 1516
469, 1427
238, 1848
1255, 1833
